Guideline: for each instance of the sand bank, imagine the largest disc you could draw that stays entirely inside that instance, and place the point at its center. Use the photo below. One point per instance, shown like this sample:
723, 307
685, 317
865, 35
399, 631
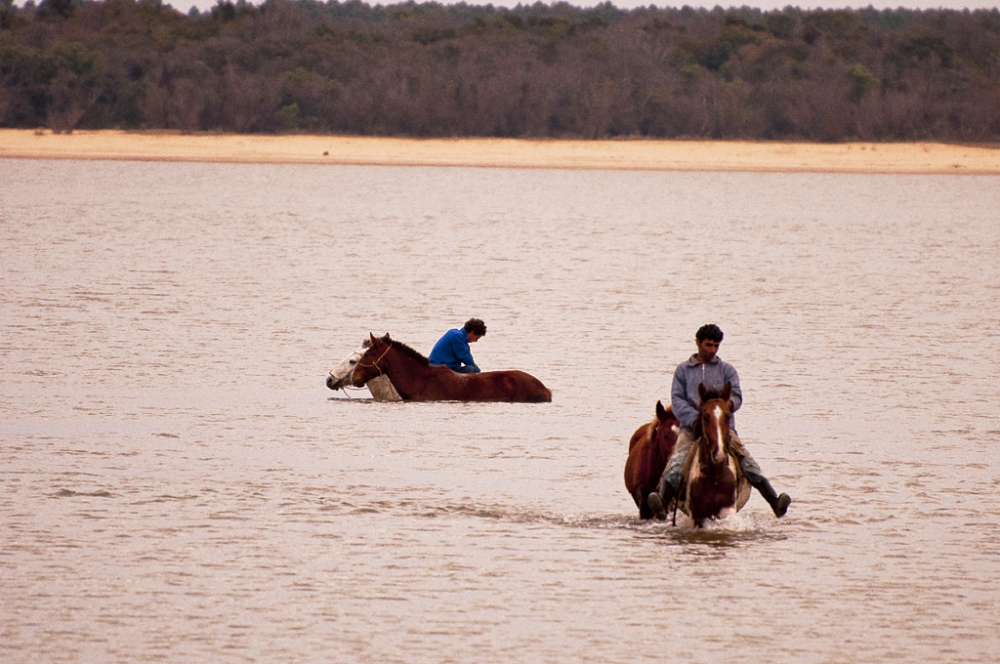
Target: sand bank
506, 153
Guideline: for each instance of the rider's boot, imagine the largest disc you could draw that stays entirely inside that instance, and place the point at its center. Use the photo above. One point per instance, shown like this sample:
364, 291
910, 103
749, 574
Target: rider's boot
778, 503
659, 500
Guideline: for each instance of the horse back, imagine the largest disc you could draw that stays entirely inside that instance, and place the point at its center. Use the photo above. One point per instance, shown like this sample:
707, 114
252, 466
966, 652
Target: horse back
512, 386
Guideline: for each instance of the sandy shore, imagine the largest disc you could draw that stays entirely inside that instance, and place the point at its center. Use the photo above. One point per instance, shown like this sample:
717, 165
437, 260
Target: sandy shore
507, 153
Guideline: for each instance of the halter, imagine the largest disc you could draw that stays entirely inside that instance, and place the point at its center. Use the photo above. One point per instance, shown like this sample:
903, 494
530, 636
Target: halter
375, 363
725, 441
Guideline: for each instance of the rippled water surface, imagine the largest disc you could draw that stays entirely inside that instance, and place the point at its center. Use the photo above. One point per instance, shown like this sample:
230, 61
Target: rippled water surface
177, 483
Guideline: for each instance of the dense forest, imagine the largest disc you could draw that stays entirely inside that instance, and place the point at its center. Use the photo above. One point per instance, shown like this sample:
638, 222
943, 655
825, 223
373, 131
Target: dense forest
532, 71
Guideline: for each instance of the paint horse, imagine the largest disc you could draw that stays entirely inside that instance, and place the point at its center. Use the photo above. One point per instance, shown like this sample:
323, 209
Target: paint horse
380, 387
415, 379
648, 451
713, 486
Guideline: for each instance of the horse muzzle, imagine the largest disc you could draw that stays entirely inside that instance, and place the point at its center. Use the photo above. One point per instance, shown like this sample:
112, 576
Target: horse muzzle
334, 383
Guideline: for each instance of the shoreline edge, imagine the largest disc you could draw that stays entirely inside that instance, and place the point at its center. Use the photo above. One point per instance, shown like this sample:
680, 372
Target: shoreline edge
624, 154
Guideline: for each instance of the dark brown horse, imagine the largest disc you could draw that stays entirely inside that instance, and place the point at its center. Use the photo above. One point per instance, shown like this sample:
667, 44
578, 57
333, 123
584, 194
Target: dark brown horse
648, 452
714, 486
416, 380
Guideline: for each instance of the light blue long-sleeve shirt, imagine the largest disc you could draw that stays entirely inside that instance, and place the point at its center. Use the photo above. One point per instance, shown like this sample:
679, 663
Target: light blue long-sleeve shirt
715, 374
452, 350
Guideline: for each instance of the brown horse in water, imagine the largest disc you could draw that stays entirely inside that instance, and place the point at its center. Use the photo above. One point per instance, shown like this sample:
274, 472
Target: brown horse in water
416, 380
714, 486
648, 451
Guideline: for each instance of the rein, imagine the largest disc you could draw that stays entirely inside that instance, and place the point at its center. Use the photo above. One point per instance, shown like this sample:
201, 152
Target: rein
350, 388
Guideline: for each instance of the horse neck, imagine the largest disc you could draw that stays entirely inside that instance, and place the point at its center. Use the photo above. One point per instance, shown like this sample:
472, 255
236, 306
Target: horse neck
402, 370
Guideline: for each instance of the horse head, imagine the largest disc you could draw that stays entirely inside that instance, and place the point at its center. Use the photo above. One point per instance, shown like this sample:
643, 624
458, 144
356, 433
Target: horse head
712, 425
666, 430
340, 375
367, 366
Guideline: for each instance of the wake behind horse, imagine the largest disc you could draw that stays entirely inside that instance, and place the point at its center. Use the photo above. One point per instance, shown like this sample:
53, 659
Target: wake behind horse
648, 451
714, 486
416, 380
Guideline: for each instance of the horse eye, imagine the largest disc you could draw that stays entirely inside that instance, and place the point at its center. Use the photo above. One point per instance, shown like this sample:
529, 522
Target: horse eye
354, 361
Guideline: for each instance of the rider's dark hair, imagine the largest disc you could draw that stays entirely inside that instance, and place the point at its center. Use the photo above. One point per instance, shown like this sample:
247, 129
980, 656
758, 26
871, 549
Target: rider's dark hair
710, 331
476, 326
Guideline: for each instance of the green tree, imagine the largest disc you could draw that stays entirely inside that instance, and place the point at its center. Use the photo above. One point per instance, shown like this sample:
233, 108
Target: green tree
860, 80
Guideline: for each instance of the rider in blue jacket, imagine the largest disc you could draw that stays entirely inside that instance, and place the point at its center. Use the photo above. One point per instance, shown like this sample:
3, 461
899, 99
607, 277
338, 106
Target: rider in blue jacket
706, 368
452, 350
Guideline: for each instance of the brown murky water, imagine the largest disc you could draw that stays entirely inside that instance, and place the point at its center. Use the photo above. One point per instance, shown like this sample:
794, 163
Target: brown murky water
179, 485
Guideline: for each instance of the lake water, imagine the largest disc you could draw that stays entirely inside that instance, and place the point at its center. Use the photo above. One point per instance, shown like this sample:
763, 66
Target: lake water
177, 483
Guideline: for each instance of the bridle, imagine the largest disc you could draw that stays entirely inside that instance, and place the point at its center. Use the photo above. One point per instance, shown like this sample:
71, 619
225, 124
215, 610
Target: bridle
725, 442
375, 363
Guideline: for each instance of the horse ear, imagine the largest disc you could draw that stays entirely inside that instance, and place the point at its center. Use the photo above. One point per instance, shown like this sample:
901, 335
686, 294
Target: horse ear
661, 413
386, 337
701, 391
372, 336
727, 391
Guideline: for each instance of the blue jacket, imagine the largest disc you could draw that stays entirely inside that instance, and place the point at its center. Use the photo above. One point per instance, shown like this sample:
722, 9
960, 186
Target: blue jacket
452, 350
684, 393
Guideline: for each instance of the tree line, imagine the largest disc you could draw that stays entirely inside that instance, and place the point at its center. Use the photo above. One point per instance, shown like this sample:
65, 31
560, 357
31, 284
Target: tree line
431, 70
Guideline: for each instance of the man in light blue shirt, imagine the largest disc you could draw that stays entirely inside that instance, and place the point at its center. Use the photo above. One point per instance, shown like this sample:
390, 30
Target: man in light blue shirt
704, 367
452, 350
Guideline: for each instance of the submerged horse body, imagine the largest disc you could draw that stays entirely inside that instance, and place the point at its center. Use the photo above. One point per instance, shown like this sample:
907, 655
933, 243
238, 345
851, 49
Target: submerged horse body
648, 451
714, 486
415, 379
340, 377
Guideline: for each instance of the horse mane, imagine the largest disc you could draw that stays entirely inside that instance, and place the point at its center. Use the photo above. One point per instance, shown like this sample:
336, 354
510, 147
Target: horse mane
406, 350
